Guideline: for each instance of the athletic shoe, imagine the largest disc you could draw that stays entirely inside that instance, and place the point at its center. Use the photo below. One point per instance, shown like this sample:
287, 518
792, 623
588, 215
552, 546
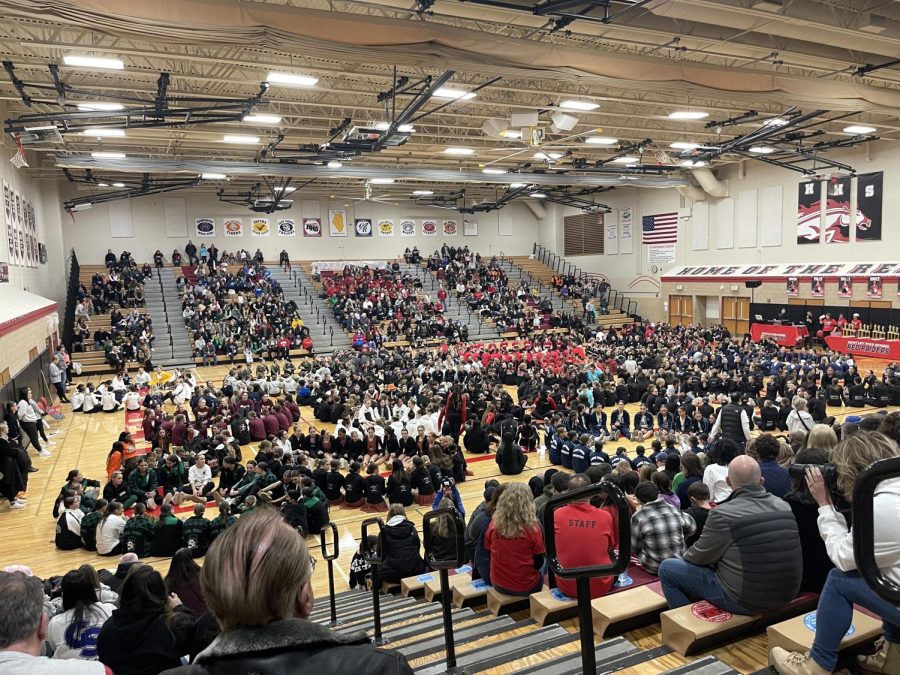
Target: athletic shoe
885, 660
45, 453
22, 497
16, 505
795, 663
33, 469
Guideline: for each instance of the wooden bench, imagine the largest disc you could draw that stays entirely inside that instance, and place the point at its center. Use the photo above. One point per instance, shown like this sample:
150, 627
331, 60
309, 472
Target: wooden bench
552, 606
701, 626
797, 634
627, 610
500, 603
413, 587
470, 594
432, 589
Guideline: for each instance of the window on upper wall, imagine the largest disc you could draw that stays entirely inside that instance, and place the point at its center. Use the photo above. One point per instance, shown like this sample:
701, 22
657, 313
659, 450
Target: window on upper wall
583, 234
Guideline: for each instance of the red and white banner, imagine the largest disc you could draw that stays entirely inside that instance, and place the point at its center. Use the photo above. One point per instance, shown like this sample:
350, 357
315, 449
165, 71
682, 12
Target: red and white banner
871, 347
775, 273
786, 336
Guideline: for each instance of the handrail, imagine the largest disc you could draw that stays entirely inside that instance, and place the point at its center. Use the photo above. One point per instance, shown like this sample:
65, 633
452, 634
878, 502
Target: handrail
864, 527
443, 566
68, 332
584, 574
375, 559
330, 558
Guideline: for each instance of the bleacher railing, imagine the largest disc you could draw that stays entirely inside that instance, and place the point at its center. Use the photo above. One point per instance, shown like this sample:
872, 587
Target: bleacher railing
72, 285
443, 566
864, 527
564, 267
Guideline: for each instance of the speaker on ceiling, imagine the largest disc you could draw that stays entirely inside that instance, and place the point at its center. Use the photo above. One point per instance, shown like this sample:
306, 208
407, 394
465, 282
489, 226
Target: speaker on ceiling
753, 283
523, 119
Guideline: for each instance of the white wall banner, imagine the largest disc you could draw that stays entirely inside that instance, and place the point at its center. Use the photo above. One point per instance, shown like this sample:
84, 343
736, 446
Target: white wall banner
205, 227
121, 223
429, 228
725, 223
233, 227
407, 227
386, 228
337, 223
626, 230
663, 253
259, 227
611, 233
747, 218
779, 273
770, 215
470, 228
451, 229
286, 227
312, 227
363, 227
176, 217
504, 224
700, 226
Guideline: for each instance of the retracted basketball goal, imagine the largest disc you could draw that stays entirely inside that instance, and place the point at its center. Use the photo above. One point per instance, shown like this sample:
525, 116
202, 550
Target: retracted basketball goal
18, 159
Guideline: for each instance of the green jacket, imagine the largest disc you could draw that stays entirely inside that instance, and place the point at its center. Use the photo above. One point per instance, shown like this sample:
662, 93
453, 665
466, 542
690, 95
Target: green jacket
137, 535
138, 484
195, 534
219, 524
89, 529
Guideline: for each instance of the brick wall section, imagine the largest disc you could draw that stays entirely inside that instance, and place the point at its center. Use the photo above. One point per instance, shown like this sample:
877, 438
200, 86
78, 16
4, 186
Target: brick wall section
17, 343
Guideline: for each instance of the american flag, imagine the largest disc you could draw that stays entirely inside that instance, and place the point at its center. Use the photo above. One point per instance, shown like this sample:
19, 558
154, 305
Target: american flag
660, 229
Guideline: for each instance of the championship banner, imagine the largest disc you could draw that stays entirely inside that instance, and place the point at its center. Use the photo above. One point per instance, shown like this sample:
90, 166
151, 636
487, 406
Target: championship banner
386, 228
470, 228
362, 227
407, 227
809, 212
874, 288
205, 227
837, 210
817, 286
286, 227
259, 227
337, 223
626, 222
312, 227
20, 236
233, 227
7, 210
450, 228
429, 228
869, 190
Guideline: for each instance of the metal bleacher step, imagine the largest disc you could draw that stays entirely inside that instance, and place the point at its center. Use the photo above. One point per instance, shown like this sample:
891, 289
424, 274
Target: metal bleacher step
608, 651
708, 665
400, 613
435, 644
357, 606
417, 632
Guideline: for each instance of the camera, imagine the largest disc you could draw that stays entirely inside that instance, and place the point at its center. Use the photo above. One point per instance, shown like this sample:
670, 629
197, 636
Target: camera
829, 474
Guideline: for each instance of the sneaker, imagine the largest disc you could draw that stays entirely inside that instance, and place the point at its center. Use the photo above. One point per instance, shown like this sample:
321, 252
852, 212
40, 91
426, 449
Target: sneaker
33, 469
49, 443
45, 453
16, 505
794, 663
886, 658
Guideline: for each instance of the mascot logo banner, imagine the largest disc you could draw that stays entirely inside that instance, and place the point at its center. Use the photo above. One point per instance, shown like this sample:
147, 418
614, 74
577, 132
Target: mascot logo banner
363, 227
407, 227
450, 228
385, 228
337, 223
429, 228
234, 227
260, 227
312, 227
206, 227
287, 227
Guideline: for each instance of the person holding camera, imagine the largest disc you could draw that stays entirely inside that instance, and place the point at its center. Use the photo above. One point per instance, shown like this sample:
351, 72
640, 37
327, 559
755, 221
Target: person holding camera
844, 586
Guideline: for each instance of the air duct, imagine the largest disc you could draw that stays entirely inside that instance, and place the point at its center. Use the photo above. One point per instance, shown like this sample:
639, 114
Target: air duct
536, 208
693, 193
710, 184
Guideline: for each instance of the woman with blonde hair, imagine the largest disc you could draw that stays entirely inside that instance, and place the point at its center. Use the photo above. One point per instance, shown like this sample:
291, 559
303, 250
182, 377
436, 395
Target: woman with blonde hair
516, 543
799, 419
257, 584
844, 587
821, 436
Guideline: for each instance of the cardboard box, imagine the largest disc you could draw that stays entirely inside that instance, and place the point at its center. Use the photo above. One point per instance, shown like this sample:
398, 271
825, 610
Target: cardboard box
627, 610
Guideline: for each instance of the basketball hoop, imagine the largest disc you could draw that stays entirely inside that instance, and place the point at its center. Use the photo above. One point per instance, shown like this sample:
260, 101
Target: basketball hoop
18, 160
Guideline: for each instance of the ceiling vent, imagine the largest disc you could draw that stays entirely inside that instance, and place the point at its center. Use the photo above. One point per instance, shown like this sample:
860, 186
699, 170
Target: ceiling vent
873, 23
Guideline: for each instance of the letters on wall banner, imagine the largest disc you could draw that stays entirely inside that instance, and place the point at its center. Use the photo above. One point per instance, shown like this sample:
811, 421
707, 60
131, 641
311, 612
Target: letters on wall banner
337, 223
233, 227
838, 217
386, 228
407, 227
363, 227
429, 228
287, 227
259, 227
206, 227
840, 272
312, 227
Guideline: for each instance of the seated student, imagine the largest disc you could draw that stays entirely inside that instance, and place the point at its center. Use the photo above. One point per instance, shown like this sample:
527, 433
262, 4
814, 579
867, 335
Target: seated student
109, 530
581, 453
316, 510
515, 543
68, 525
167, 535
775, 477
643, 425
399, 547
138, 533
510, 457
195, 533
200, 483
354, 488
554, 446
221, 522
748, 558
73, 633
89, 524
527, 435
584, 536
142, 483
399, 485
658, 529
421, 483
360, 567
375, 490
117, 491
295, 513
334, 483
698, 495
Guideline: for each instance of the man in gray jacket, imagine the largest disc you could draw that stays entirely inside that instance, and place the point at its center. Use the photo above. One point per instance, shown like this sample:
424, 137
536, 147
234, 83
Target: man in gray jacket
748, 559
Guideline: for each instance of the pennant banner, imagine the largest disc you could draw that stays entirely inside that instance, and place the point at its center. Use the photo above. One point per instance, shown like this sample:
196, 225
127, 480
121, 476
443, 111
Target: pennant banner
407, 227
233, 227
287, 227
337, 223
809, 212
817, 286
312, 227
205, 227
869, 191
874, 287
385, 228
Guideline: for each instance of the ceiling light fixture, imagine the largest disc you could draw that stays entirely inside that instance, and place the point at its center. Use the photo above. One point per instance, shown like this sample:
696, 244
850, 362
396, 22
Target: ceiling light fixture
762, 150
451, 93
600, 140
240, 139
261, 119
291, 80
579, 105
683, 145
284, 189
547, 156
626, 160
493, 172
43, 127
423, 193
93, 62
103, 184
381, 181
102, 106
213, 176
775, 122
458, 151
119, 185
859, 129
515, 186
108, 155
403, 128
688, 115
102, 132
334, 164
538, 195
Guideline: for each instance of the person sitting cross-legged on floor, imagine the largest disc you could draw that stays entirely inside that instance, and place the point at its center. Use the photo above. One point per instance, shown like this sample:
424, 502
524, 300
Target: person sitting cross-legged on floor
748, 558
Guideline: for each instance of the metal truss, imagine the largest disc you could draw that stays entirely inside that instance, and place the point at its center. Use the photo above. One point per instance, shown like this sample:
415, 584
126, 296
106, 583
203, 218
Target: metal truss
566, 196
127, 188
266, 196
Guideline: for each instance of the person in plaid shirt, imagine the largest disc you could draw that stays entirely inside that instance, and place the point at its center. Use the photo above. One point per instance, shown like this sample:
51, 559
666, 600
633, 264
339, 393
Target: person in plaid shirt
658, 529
